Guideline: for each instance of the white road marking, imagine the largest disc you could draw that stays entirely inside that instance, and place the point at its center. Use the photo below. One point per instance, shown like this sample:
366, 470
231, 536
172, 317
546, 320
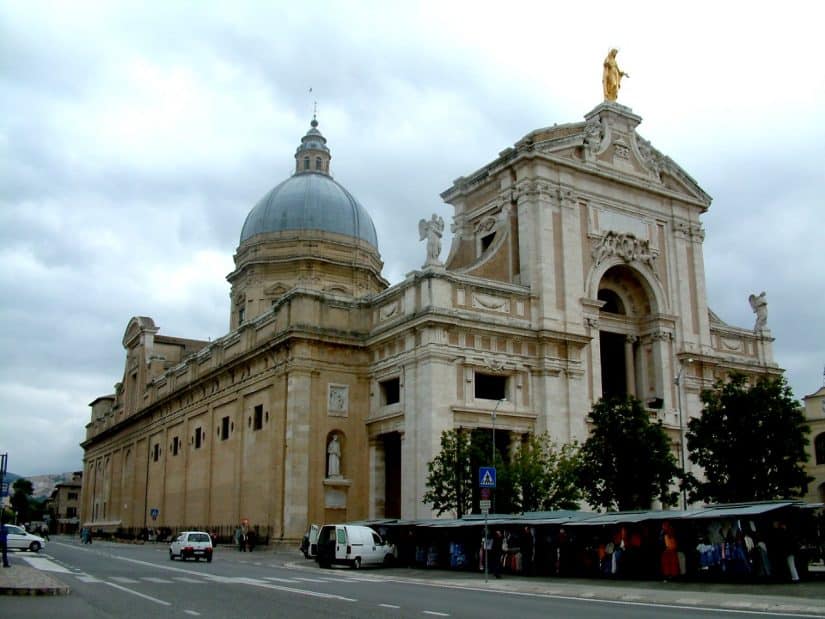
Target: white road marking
142, 595
160, 581
45, 565
301, 579
87, 578
124, 579
389, 606
432, 612
276, 579
192, 612
192, 581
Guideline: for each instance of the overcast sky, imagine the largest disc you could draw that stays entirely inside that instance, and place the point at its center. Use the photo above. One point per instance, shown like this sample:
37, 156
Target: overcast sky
135, 138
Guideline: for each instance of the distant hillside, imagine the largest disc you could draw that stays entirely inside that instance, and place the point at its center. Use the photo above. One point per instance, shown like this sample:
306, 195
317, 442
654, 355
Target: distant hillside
43, 484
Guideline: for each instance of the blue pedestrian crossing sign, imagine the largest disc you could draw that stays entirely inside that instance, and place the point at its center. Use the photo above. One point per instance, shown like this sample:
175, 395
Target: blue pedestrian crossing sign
486, 477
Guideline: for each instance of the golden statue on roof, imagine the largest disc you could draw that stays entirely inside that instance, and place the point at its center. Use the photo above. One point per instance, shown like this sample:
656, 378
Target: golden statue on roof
612, 76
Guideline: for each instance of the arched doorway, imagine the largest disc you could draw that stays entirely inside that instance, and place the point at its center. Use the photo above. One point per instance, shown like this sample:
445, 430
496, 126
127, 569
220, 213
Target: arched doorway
629, 364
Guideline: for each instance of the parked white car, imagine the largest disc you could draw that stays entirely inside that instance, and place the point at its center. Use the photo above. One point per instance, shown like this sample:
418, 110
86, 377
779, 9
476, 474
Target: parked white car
21, 539
191, 544
353, 545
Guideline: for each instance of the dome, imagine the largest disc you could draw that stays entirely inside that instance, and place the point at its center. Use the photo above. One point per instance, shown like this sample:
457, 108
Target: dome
311, 199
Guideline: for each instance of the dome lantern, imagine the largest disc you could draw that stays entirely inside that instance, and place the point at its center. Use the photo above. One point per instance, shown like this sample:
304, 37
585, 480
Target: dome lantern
313, 154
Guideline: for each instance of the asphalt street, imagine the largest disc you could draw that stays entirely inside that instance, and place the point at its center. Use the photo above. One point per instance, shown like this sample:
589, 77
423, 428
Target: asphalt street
122, 580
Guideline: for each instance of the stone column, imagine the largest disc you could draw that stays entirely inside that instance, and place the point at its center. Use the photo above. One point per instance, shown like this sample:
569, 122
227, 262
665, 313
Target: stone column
296, 453
378, 491
630, 366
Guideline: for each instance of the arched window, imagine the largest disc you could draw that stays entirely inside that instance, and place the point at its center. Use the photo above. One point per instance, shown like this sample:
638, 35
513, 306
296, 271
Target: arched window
318, 163
306, 163
819, 448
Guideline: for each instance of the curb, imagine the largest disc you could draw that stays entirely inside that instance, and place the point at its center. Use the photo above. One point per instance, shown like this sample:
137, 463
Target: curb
63, 590
24, 580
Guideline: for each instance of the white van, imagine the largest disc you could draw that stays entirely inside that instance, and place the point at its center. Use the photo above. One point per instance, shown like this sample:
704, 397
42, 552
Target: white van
353, 545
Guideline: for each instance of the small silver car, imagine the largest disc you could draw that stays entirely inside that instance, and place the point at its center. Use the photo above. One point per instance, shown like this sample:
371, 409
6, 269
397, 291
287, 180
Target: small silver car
191, 544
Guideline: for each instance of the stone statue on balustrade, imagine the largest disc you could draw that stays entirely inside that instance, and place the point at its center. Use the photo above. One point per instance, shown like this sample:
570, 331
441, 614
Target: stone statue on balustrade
432, 230
759, 304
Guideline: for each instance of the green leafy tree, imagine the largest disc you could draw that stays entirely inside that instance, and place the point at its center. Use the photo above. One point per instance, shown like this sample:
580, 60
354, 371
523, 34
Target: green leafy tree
450, 474
544, 475
627, 461
750, 441
22, 490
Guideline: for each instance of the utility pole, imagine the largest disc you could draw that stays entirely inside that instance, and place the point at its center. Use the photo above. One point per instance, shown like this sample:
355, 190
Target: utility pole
678, 382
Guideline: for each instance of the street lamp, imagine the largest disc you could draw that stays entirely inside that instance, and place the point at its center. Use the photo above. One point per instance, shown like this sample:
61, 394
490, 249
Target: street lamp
678, 382
493, 450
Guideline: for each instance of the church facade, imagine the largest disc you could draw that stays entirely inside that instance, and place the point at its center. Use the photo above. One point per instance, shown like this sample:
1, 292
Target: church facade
576, 271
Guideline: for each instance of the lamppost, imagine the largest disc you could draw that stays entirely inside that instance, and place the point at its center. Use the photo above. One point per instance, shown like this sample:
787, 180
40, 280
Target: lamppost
493, 450
678, 382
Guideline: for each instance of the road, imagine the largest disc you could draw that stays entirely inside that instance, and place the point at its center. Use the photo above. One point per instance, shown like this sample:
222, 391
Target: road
121, 580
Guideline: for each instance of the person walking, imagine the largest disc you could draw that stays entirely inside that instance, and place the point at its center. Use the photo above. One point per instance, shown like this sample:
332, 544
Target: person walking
4, 543
495, 553
240, 539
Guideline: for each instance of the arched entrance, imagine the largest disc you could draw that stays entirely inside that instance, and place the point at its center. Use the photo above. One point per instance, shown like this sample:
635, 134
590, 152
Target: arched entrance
631, 363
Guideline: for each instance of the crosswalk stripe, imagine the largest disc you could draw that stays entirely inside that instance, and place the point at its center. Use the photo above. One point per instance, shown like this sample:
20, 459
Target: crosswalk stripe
87, 578
160, 581
186, 579
125, 580
46, 565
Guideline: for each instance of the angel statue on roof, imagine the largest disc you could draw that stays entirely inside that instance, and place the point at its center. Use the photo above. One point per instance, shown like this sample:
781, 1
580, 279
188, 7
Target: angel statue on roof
432, 231
759, 304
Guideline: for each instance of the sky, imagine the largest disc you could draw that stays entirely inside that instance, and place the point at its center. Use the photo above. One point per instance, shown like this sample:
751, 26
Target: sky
136, 137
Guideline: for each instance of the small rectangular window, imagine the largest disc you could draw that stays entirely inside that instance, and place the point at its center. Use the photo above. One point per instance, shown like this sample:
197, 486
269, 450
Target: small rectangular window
72, 496
198, 438
224, 428
390, 391
175, 446
490, 386
241, 315
156, 452
258, 421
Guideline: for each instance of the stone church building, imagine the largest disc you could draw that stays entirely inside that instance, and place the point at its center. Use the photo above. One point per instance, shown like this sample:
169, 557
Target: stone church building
576, 271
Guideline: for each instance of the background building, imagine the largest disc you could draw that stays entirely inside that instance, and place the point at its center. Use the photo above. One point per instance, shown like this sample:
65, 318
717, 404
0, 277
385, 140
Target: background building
815, 416
575, 271
65, 503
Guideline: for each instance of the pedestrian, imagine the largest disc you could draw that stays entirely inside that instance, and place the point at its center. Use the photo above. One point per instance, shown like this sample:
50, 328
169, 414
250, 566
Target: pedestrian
251, 540
4, 543
240, 539
495, 553
785, 548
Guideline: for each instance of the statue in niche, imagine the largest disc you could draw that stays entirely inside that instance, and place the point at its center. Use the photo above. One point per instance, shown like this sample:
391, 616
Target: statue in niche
612, 76
334, 457
432, 231
759, 304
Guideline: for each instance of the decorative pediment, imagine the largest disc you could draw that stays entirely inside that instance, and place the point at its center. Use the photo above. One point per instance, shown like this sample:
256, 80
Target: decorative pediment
136, 326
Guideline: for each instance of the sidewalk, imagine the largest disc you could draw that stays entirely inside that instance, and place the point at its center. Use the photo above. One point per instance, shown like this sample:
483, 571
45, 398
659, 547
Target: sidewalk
21, 579
805, 598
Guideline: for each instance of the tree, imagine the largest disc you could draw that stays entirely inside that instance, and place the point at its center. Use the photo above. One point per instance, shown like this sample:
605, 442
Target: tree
627, 460
750, 441
21, 499
544, 476
450, 474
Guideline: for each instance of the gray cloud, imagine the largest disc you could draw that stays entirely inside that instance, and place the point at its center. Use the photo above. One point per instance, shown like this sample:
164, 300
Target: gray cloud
135, 139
